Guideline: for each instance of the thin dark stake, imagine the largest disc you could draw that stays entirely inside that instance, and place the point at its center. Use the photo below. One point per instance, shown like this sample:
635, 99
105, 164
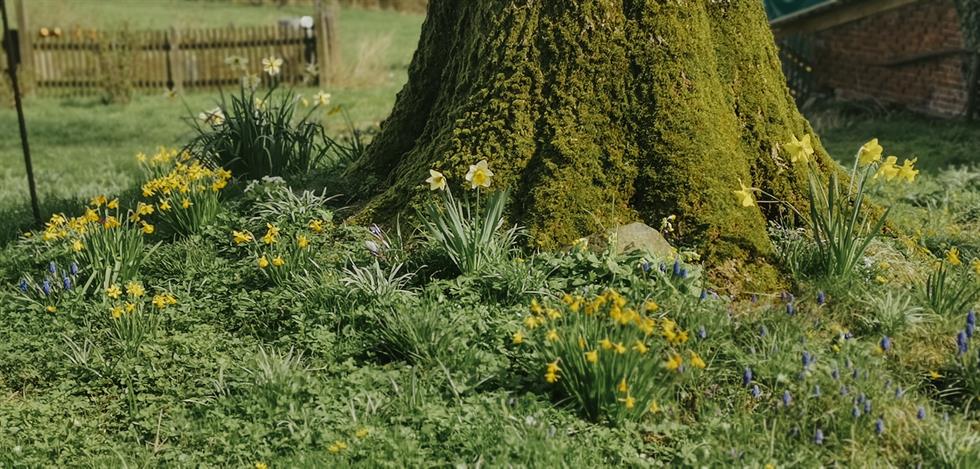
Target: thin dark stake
12, 68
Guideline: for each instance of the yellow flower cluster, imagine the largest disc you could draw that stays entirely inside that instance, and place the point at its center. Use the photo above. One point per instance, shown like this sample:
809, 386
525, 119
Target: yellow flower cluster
135, 292
184, 179
101, 213
589, 342
271, 251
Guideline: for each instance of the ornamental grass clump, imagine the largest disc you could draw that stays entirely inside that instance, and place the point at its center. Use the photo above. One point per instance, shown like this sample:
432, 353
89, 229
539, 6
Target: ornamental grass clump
260, 133
471, 235
612, 359
183, 192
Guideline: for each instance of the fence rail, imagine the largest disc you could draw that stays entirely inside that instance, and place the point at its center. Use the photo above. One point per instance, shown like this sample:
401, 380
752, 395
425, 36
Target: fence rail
74, 63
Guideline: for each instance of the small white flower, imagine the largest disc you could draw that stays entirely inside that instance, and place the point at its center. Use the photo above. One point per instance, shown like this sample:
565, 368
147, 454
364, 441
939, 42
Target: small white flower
272, 65
322, 99
213, 117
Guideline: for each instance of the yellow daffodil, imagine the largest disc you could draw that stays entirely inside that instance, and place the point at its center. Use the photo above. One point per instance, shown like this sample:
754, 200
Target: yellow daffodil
888, 169
551, 375
135, 289
148, 228
76, 245
302, 241
163, 300
906, 171
531, 322
362, 433
241, 237
130, 307
606, 344
953, 256
321, 98
437, 182
113, 204
799, 150
263, 262
479, 175
98, 201
113, 292
316, 225
623, 387
165, 206
674, 362
582, 343
744, 195
975, 265
278, 261
271, 234
272, 66
869, 153
116, 312
337, 447
628, 402
640, 347
696, 360
934, 375
52, 309
518, 338
650, 306
592, 357
619, 347
551, 336
261, 465
654, 408
186, 203
111, 222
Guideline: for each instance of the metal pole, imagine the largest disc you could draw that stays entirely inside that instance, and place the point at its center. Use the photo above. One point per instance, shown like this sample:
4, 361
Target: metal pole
12, 68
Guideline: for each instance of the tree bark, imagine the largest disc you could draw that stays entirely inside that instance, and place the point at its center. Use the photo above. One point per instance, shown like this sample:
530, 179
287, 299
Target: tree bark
595, 113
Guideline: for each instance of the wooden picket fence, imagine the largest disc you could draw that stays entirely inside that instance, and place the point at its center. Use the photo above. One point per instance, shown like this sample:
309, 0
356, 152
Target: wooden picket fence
172, 59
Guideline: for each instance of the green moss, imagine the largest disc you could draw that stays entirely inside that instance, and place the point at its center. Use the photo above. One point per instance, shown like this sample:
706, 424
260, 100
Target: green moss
597, 113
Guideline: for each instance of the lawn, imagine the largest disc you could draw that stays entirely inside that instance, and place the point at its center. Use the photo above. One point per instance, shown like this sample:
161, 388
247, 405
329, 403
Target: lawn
180, 315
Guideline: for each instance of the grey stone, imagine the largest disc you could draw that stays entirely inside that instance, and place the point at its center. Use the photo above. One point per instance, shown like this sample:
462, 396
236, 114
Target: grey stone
640, 236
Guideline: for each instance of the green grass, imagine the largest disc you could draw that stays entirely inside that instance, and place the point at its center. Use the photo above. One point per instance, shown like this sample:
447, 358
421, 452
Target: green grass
937, 143
81, 147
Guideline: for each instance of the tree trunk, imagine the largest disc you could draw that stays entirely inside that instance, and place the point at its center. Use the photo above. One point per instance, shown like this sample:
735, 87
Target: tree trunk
595, 113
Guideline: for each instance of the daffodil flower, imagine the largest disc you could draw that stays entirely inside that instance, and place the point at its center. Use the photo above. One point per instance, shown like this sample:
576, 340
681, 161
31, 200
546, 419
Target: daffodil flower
321, 98
744, 195
479, 175
888, 169
272, 66
437, 182
799, 150
869, 153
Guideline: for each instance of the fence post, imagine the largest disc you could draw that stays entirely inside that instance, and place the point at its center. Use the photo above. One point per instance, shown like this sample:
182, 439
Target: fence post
175, 66
26, 40
327, 47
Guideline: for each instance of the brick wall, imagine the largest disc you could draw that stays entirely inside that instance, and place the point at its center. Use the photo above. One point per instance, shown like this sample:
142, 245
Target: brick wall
872, 57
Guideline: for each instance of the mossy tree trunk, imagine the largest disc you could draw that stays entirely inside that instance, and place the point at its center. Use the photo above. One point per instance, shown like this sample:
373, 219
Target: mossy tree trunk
598, 112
